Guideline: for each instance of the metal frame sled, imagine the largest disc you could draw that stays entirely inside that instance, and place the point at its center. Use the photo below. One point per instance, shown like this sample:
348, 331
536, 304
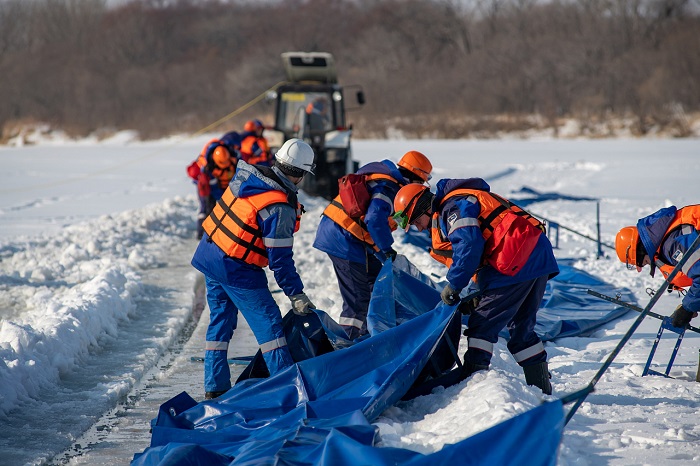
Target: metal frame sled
665, 325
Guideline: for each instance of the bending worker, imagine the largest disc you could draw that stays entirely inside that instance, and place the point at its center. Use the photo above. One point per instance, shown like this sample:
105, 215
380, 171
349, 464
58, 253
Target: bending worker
217, 164
474, 231
661, 240
353, 243
252, 227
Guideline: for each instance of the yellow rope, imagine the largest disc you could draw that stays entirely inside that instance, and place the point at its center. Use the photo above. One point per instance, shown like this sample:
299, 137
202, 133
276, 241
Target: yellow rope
152, 154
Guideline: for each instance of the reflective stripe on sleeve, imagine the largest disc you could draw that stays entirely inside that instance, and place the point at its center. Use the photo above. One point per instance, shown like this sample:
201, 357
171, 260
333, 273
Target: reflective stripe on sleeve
478, 343
690, 262
264, 213
350, 322
463, 222
278, 242
273, 344
384, 198
527, 353
216, 346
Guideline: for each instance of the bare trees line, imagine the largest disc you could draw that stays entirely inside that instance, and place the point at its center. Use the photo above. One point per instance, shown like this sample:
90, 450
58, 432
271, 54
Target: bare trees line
443, 68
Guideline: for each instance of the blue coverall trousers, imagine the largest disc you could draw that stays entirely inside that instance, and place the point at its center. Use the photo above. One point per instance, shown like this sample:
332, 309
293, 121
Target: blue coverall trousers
356, 282
264, 318
514, 307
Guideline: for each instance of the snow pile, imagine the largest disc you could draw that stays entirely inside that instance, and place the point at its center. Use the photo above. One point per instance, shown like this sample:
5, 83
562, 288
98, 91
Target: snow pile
69, 293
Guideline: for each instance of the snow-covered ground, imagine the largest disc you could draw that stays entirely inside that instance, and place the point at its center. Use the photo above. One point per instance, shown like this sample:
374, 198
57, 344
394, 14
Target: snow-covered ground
97, 304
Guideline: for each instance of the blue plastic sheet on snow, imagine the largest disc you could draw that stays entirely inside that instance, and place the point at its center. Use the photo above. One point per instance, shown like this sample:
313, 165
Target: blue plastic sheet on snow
567, 310
319, 411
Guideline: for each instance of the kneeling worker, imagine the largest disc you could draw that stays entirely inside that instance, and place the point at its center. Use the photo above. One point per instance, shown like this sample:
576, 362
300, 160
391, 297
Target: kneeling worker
252, 227
472, 231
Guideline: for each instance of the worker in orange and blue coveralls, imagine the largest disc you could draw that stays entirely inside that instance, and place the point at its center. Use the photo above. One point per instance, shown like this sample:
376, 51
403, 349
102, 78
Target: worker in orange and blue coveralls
254, 147
251, 227
214, 169
355, 245
660, 240
477, 232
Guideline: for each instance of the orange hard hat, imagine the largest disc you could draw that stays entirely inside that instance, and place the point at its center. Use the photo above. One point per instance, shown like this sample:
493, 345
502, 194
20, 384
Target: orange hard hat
221, 157
252, 125
626, 243
416, 163
412, 201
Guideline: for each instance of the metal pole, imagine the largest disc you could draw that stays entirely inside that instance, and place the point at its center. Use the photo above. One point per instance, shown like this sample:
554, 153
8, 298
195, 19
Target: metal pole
636, 323
597, 217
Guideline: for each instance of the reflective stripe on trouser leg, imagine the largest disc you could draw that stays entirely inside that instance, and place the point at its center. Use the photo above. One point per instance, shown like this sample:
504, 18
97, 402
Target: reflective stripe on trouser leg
527, 353
498, 308
478, 352
483, 345
265, 320
273, 345
223, 318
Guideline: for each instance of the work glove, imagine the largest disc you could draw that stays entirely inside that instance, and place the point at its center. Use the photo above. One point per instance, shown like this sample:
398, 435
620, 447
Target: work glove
390, 254
449, 295
467, 306
301, 304
681, 316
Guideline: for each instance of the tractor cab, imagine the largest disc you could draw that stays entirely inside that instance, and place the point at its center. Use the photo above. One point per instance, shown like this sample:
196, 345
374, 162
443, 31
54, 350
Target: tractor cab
311, 106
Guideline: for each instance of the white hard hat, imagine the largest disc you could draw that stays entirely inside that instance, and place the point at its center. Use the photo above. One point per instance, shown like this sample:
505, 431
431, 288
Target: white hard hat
295, 157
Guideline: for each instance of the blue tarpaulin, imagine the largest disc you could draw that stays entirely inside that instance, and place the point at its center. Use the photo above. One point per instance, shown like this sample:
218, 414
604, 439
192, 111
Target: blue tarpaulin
566, 309
320, 410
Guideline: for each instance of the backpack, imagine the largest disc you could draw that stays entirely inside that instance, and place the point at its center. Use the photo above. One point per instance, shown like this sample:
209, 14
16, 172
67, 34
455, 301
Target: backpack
513, 241
354, 194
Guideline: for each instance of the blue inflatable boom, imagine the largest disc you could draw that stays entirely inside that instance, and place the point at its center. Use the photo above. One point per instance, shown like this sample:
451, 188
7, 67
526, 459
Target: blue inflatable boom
320, 411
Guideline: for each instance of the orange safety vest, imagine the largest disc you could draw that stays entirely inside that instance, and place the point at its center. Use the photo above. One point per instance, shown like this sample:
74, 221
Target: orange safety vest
493, 209
233, 225
357, 226
247, 150
689, 215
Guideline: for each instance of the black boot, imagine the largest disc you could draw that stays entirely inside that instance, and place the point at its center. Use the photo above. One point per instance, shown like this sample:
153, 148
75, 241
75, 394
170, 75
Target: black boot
468, 368
212, 395
538, 375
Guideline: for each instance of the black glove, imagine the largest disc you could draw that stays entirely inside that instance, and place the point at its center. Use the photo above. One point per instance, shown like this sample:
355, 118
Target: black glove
681, 317
467, 306
301, 304
390, 254
449, 295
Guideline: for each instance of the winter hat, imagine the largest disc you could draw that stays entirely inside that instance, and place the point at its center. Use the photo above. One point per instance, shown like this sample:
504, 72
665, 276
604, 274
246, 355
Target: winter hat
289, 170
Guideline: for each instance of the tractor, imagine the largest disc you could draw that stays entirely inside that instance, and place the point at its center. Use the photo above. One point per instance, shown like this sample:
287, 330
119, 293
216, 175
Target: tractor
311, 106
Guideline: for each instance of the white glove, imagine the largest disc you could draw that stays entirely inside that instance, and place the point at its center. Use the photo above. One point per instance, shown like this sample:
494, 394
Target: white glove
301, 304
